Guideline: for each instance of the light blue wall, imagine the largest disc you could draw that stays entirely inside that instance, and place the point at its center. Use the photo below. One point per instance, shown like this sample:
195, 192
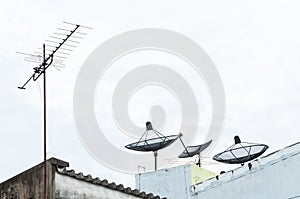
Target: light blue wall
173, 183
274, 177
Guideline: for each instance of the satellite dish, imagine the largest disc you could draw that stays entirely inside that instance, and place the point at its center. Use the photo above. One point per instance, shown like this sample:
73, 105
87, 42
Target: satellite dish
152, 140
153, 144
191, 151
241, 152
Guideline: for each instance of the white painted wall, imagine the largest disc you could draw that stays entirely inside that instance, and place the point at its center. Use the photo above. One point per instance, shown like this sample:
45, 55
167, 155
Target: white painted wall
69, 188
172, 183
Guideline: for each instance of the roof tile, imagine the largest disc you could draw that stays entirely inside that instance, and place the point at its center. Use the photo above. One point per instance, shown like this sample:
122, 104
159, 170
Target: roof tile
105, 183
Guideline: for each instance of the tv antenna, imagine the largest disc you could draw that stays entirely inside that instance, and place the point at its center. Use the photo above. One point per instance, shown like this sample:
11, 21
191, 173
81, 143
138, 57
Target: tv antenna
53, 52
240, 152
152, 140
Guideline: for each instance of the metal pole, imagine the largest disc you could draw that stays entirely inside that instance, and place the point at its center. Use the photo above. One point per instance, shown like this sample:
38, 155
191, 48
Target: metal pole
199, 161
155, 160
38, 71
184, 145
45, 132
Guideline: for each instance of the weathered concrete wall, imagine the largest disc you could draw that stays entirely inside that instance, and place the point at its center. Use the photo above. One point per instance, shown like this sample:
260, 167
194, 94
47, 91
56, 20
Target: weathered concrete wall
64, 184
70, 188
30, 183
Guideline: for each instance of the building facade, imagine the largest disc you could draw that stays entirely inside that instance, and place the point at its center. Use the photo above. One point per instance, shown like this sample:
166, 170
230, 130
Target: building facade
275, 176
173, 183
65, 184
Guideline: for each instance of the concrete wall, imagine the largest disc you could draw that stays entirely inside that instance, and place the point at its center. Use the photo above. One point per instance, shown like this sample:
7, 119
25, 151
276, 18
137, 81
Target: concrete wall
26, 185
30, 183
274, 177
70, 188
63, 184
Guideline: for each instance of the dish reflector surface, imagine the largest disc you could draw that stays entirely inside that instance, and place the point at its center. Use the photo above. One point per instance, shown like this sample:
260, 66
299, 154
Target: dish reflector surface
241, 152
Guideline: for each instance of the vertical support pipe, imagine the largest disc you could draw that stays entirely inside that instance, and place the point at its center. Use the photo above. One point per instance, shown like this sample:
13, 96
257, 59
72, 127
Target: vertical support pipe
45, 127
199, 161
155, 160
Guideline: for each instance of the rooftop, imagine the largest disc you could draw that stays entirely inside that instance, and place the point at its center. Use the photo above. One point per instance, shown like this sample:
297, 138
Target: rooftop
111, 185
249, 168
60, 167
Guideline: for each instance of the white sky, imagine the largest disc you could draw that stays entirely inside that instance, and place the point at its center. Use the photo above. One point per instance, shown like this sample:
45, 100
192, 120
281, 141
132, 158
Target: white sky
255, 46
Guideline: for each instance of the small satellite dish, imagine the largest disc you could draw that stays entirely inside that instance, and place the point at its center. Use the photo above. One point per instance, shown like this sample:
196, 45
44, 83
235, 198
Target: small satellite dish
241, 152
152, 140
191, 151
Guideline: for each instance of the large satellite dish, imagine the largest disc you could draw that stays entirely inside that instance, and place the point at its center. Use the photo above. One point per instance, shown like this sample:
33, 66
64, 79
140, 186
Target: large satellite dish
152, 144
152, 140
191, 151
241, 152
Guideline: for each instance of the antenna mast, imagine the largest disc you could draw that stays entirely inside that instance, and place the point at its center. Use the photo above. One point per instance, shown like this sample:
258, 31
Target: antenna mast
60, 39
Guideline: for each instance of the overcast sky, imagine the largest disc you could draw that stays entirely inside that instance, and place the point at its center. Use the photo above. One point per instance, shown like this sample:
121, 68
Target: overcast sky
255, 46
